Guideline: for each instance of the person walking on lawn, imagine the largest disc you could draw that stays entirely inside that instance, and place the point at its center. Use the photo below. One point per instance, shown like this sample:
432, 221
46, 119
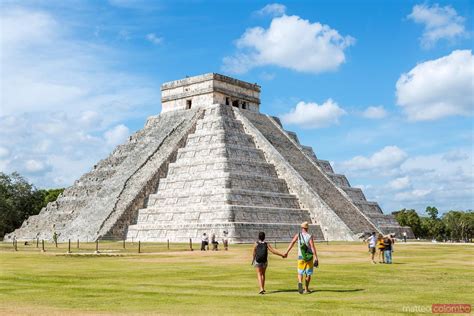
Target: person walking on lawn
307, 257
260, 259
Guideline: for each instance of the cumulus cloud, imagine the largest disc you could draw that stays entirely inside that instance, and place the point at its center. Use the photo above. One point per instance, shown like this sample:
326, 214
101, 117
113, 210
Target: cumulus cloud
290, 42
34, 166
400, 183
313, 115
415, 181
273, 9
4, 152
438, 88
387, 158
154, 39
116, 135
374, 112
59, 97
439, 23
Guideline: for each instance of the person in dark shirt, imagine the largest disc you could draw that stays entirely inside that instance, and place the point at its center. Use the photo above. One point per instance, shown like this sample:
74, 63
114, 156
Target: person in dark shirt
387, 241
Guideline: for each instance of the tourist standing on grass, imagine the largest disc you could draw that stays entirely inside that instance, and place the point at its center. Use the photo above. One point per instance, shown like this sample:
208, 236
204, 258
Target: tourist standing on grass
307, 257
387, 251
225, 240
260, 259
204, 242
372, 241
214, 242
380, 248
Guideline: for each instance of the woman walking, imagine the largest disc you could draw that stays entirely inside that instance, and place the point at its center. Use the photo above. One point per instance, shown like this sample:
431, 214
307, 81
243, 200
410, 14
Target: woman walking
260, 259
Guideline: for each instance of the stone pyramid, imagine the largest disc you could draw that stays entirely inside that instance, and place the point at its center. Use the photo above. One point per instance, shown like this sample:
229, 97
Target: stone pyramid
210, 162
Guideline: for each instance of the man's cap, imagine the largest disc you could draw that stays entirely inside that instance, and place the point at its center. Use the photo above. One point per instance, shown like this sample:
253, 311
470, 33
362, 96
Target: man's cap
304, 225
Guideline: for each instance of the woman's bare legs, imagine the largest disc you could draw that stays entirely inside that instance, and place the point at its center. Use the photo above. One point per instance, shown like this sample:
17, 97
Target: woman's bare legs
261, 278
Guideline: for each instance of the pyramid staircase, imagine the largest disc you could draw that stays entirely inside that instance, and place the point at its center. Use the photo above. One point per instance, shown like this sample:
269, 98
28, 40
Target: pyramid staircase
220, 181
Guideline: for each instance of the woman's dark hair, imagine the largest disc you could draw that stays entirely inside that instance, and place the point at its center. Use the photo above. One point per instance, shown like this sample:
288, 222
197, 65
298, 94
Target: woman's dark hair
261, 236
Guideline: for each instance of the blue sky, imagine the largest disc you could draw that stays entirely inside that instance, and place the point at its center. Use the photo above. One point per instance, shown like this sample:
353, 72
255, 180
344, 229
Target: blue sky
382, 89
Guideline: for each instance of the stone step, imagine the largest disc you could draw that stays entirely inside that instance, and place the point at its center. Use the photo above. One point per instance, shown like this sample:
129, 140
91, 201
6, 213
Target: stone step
226, 180
186, 169
383, 219
219, 123
368, 207
219, 137
325, 165
338, 179
355, 194
237, 232
225, 196
231, 213
221, 150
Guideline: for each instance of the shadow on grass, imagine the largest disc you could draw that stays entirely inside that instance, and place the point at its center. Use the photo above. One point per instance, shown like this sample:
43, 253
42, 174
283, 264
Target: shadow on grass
314, 291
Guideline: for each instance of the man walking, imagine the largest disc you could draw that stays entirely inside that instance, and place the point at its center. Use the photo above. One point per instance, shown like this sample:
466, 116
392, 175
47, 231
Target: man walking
307, 257
372, 240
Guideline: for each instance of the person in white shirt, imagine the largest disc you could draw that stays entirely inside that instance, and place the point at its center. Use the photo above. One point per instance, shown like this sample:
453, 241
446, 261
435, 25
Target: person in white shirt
372, 240
204, 242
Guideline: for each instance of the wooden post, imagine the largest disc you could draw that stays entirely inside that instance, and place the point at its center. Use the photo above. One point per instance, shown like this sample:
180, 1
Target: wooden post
97, 246
78, 244
139, 250
190, 244
14, 245
42, 245
69, 246
168, 244
124, 243
37, 242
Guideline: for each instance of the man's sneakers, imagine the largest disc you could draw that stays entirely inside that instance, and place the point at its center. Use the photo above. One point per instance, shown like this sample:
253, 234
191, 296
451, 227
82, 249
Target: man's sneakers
300, 288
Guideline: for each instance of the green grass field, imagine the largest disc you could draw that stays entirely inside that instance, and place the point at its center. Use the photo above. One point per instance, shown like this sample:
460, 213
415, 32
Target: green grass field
178, 281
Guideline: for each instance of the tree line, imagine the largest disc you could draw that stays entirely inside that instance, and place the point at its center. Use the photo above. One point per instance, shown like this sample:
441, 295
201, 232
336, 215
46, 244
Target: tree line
451, 226
20, 199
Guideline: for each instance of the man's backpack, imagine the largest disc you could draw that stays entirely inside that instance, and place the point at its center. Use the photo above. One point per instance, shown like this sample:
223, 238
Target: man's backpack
261, 253
306, 255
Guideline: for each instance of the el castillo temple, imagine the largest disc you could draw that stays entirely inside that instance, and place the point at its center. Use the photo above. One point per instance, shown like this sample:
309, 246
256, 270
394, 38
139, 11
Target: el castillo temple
210, 162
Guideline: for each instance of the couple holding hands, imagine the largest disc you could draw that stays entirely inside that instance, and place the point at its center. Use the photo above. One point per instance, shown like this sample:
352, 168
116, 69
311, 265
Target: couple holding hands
307, 258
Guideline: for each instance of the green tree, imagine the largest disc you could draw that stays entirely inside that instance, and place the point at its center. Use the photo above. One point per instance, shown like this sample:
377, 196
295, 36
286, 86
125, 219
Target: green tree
432, 228
432, 212
50, 195
409, 218
19, 200
459, 225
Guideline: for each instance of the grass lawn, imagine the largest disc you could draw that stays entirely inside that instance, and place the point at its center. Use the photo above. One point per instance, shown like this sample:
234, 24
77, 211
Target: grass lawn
179, 281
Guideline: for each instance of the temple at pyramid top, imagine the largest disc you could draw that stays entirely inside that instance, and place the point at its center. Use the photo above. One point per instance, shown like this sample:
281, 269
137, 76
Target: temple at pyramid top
207, 89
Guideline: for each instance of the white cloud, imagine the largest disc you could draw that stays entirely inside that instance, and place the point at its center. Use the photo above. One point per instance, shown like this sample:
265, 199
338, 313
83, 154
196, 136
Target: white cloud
273, 9
400, 183
4, 152
116, 135
313, 115
417, 181
290, 42
412, 195
438, 88
60, 96
34, 166
154, 39
386, 159
439, 23
374, 112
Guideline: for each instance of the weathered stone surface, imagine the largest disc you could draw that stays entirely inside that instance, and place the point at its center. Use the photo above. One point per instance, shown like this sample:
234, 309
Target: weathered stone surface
208, 163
